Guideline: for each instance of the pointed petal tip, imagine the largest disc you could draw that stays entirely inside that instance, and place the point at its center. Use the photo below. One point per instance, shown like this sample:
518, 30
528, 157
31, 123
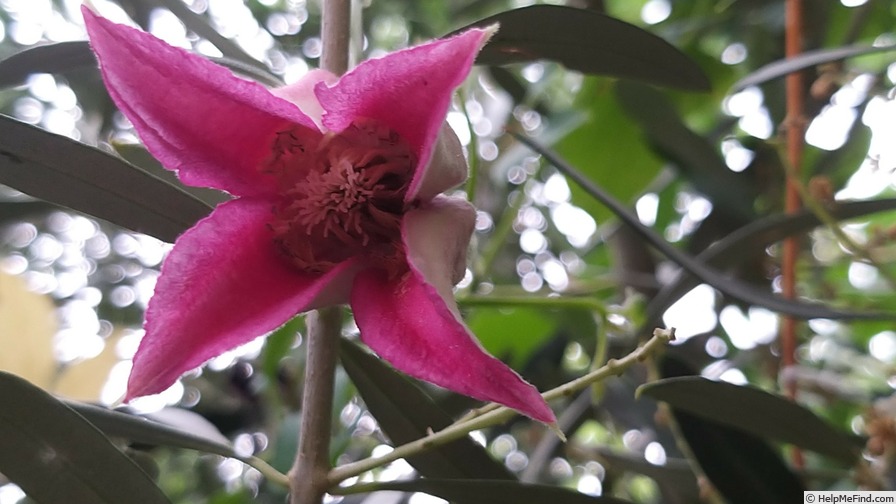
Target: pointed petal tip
556, 430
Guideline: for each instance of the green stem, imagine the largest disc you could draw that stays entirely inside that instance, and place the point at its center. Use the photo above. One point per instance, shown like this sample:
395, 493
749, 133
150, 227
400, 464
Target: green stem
472, 151
500, 414
533, 301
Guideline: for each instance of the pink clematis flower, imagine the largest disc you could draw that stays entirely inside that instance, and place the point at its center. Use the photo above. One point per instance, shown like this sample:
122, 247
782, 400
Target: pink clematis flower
337, 185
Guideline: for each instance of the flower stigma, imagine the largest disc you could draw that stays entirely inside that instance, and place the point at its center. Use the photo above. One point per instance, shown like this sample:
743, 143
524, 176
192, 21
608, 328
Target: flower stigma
341, 195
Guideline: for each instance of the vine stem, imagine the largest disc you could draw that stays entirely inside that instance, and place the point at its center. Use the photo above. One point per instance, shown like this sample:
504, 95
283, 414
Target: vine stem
490, 415
795, 129
308, 477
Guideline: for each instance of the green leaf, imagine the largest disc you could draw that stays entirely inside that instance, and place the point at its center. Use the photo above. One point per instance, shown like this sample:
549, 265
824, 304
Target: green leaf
805, 60
50, 58
56, 456
203, 28
192, 434
728, 285
755, 411
693, 155
473, 491
757, 235
406, 413
589, 42
138, 156
62, 171
743, 468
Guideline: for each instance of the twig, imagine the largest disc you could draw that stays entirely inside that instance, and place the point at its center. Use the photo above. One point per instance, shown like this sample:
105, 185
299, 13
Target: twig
499, 415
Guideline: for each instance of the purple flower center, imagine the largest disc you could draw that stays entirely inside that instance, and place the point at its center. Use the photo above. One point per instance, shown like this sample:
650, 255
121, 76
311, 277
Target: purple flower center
342, 195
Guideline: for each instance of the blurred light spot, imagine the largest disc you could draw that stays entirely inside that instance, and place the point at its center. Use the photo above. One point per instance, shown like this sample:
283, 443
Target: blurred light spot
560, 469
532, 241
25, 33
735, 53
422, 498
735, 376
165, 25
656, 11
71, 344
757, 327
122, 296
737, 157
488, 150
517, 175
882, 346
42, 86
716, 347
743, 102
862, 276
244, 445
693, 313
312, 47
229, 470
646, 208
350, 414
28, 109
478, 437
556, 190
516, 461
14, 264
484, 221
10, 492
458, 122
853, 3
503, 445
531, 282
655, 453
20, 235
533, 72
830, 129
575, 223
482, 127
554, 274
589, 484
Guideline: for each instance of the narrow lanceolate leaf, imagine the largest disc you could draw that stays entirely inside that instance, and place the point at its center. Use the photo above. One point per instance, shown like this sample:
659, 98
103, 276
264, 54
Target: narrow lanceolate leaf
742, 467
201, 26
755, 411
757, 235
56, 456
726, 284
805, 60
494, 492
693, 155
406, 413
145, 431
589, 42
62, 171
138, 156
50, 58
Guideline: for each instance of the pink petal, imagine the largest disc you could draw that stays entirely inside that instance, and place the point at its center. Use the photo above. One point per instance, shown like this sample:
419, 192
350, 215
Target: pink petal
196, 117
409, 91
415, 325
222, 285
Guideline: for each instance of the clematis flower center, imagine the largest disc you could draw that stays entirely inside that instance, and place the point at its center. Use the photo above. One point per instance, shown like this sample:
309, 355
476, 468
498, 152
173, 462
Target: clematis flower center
342, 195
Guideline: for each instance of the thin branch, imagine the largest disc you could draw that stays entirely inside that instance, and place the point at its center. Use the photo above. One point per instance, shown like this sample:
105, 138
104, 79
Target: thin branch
501, 414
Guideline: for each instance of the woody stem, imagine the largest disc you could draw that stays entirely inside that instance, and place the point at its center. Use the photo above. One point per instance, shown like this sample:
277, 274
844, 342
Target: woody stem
308, 477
